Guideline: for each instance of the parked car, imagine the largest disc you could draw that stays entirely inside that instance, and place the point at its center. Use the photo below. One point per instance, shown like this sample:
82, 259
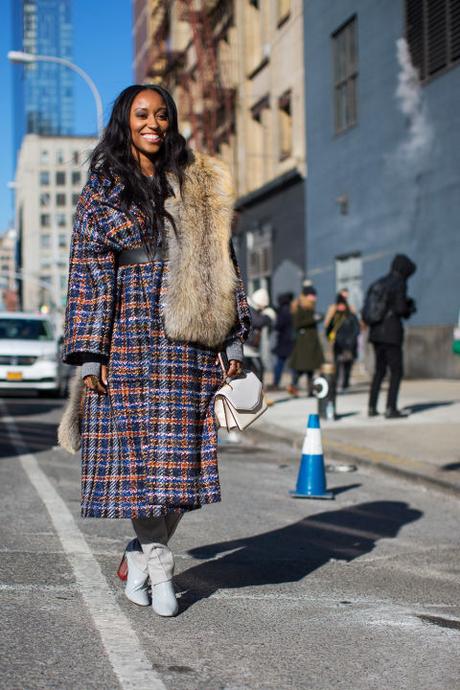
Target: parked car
30, 355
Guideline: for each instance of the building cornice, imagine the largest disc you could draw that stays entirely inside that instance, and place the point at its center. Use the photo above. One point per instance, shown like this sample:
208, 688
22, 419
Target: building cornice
281, 182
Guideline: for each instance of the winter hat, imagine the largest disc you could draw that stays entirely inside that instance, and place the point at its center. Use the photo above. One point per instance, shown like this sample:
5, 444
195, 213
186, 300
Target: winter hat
260, 299
308, 290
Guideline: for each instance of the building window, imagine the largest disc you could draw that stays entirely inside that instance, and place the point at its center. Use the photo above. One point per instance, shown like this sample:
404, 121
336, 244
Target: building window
76, 177
59, 157
75, 199
62, 241
76, 157
45, 220
61, 220
44, 157
45, 241
345, 52
433, 34
349, 276
60, 199
260, 138
44, 178
285, 124
259, 245
60, 178
44, 199
284, 10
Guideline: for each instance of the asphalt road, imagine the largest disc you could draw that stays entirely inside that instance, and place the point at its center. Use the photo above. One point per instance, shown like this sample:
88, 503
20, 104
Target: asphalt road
359, 593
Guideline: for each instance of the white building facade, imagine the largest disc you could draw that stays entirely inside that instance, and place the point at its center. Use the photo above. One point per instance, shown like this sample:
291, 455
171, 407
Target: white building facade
8, 286
50, 174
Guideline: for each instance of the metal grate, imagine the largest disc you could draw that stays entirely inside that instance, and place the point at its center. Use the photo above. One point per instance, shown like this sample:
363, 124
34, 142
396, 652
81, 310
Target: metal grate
17, 360
433, 34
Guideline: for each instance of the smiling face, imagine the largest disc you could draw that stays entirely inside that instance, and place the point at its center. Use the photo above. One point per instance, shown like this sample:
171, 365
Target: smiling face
148, 123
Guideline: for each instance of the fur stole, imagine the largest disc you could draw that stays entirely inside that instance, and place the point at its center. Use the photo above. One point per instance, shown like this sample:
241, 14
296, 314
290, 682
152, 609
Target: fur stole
69, 427
200, 301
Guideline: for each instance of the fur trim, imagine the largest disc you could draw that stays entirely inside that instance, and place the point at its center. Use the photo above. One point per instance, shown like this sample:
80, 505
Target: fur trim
69, 428
200, 301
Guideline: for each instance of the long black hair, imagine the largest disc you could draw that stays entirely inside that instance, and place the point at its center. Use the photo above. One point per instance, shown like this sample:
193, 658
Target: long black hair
113, 160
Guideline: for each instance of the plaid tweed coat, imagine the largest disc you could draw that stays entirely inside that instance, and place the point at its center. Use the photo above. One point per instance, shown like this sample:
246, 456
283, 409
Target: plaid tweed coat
149, 447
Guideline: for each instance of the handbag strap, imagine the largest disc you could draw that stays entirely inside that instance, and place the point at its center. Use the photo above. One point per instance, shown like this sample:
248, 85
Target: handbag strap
224, 364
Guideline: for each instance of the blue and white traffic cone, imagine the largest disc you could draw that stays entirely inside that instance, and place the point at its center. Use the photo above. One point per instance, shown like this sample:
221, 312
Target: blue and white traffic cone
311, 481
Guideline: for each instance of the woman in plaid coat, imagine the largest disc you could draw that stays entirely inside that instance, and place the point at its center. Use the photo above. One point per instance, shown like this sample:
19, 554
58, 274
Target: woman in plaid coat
154, 294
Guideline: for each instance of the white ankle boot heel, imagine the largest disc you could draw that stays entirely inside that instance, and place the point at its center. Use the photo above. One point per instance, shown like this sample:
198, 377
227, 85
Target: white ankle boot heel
136, 588
164, 601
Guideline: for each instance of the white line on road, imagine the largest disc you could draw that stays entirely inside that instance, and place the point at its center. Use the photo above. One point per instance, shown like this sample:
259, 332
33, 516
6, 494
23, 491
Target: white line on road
121, 643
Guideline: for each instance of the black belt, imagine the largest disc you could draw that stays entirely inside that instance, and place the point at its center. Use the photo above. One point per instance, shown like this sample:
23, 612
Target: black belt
138, 256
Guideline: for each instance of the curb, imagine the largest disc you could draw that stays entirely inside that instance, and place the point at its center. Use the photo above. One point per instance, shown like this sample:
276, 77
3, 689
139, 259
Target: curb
394, 465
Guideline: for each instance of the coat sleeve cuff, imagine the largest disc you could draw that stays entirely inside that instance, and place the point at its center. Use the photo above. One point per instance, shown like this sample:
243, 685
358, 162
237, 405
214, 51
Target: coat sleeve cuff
90, 369
234, 350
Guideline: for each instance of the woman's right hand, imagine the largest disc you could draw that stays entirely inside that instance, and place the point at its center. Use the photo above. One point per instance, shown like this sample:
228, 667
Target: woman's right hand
97, 384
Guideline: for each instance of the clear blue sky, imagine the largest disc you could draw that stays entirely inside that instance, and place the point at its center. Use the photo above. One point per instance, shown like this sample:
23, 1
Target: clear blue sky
102, 47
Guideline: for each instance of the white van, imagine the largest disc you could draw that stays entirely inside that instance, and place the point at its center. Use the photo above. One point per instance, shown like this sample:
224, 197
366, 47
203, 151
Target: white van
30, 355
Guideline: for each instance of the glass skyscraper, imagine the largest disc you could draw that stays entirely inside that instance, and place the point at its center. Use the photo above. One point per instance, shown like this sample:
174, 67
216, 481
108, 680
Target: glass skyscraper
43, 92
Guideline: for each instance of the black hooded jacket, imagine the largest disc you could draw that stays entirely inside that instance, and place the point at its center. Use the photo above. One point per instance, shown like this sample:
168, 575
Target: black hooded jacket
399, 306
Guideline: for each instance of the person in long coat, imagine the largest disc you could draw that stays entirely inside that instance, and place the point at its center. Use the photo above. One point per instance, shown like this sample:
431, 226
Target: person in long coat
154, 295
307, 355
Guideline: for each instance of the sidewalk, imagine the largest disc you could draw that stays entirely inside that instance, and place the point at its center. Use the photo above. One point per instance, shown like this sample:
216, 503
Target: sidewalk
424, 447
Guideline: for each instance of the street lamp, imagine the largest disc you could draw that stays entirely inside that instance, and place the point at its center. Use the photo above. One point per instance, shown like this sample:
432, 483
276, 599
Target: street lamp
18, 56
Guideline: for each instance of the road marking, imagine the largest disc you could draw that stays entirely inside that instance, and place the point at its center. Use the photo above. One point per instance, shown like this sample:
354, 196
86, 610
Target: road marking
59, 589
121, 643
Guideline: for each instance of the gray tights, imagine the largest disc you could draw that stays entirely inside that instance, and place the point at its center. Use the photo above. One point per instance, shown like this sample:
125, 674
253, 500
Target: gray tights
156, 558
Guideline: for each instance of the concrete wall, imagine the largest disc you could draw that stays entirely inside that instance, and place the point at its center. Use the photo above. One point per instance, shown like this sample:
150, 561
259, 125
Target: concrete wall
401, 174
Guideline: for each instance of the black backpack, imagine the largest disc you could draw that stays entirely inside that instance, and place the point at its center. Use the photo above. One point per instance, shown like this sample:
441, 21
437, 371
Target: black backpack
376, 303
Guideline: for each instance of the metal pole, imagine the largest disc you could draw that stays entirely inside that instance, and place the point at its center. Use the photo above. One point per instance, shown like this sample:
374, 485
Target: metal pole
24, 58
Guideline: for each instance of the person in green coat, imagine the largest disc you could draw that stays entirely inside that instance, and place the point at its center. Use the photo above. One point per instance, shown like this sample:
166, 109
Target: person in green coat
307, 355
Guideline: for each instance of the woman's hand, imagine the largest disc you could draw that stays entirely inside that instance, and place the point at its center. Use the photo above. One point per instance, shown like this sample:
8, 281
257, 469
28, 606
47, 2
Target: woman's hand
98, 385
235, 368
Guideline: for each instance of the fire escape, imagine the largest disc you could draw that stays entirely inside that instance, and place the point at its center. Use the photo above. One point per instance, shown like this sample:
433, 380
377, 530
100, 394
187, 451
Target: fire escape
208, 102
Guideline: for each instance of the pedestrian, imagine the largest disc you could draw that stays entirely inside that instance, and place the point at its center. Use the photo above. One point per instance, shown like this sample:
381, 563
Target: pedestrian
261, 320
330, 311
307, 354
284, 336
154, 294
342, 331
385, 306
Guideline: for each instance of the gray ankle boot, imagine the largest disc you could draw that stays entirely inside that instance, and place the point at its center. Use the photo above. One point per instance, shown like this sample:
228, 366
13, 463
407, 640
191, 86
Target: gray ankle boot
164, 601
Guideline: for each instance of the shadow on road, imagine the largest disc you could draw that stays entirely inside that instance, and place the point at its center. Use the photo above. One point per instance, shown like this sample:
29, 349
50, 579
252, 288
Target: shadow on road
291, 553
421, 407
22, 406
451, 466
37, 436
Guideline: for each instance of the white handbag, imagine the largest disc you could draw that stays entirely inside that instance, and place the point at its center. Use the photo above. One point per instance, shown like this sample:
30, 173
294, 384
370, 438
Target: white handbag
240, 401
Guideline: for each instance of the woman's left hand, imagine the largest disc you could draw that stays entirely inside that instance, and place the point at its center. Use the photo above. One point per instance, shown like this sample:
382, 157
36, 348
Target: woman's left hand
234, 369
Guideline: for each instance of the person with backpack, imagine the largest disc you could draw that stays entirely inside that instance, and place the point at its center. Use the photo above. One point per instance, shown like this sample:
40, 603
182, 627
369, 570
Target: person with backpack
342, 331
385, 305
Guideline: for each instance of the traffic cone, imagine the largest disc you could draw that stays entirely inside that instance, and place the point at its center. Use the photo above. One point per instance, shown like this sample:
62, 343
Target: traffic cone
311, 481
